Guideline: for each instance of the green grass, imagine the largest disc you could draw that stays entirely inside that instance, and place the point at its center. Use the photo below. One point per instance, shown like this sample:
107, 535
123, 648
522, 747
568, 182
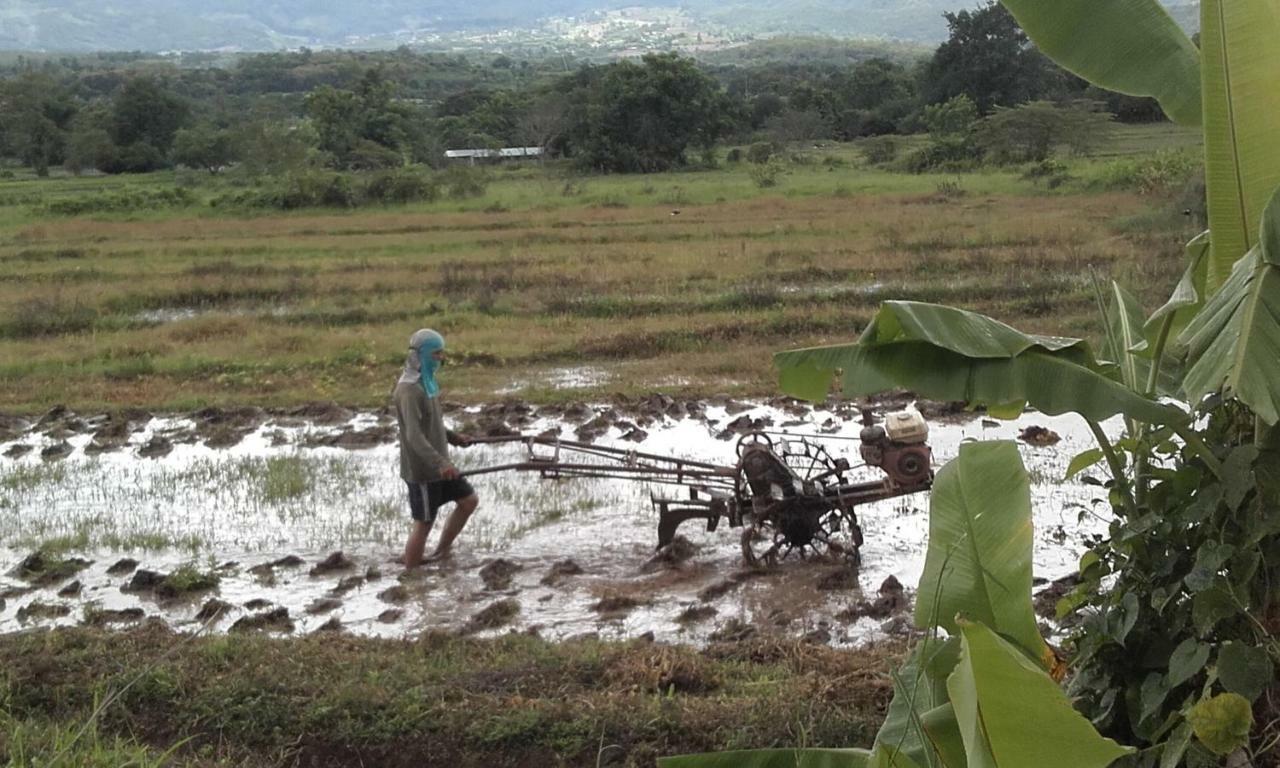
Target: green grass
697, 275
336, 700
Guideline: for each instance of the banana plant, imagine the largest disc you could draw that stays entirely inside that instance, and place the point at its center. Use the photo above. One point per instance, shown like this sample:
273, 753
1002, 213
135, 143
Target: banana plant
982, 695
1217, 337
1220, 330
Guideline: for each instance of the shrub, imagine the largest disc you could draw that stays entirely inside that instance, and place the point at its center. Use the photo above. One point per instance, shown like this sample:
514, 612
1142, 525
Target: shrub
121, 200
948, 155
767, 174
402, 185
1161, 172
880, 150
461, 182
317, 189
761, 151
1032, 131
45, 317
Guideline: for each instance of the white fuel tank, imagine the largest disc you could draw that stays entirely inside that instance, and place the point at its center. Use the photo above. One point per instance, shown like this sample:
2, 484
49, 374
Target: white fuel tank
906, 427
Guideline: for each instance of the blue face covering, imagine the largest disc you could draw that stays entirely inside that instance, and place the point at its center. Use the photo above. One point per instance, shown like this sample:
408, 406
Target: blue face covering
429, 365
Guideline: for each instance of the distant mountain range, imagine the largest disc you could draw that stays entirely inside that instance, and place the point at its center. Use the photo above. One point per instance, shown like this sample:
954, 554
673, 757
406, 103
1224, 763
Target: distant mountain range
247, 25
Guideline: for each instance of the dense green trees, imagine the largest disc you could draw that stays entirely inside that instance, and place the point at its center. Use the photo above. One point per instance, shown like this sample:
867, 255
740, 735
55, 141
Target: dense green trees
35, 112
641, 117
278, 112
987, 58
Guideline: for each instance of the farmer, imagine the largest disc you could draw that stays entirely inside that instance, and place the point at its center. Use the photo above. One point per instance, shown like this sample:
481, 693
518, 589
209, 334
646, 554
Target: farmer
424, 451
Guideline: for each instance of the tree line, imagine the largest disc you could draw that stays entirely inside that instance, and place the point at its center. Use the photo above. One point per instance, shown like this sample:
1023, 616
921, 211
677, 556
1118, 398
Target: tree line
344, 110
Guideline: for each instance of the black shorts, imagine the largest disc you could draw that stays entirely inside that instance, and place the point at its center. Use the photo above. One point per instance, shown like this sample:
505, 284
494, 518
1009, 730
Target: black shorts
425, 499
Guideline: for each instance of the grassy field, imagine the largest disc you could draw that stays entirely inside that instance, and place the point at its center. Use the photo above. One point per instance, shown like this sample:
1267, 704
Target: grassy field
332, 700
548, 286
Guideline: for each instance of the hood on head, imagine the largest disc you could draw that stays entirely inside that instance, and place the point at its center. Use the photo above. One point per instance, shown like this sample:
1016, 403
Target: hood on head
419, 365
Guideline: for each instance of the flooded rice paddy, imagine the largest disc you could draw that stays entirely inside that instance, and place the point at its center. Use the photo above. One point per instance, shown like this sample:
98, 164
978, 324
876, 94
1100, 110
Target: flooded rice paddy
246, 512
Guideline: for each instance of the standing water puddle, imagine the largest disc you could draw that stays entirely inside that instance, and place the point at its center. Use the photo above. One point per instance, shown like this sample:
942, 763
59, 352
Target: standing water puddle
560, 557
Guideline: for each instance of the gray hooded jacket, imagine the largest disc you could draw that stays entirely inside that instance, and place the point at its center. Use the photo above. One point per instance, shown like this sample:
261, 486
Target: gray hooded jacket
424, 440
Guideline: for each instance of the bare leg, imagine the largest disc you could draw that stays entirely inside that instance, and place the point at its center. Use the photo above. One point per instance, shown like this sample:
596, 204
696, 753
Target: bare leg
453, 526
417, 542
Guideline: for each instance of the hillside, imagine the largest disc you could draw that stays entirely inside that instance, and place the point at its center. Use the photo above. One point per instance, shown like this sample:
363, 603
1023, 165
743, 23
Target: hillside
612, 25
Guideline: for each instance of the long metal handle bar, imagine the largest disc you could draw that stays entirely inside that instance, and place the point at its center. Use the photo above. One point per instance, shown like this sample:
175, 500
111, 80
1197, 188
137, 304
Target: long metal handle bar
600, 450
709, 478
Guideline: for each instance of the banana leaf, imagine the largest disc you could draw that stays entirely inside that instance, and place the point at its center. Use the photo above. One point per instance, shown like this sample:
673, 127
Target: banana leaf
1127, 346
944, 353
1183, 304
1013, 715
980, 539
1130, 46
1239, 75
913, 731
1233, 345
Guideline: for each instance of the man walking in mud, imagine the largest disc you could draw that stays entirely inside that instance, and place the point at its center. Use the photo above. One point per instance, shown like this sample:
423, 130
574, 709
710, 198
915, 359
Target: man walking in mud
424, 451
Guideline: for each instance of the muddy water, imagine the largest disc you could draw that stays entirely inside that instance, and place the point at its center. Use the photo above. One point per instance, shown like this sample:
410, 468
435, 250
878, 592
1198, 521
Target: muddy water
574, 554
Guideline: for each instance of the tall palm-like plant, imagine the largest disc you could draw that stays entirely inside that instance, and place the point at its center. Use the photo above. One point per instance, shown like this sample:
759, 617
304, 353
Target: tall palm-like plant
966, 700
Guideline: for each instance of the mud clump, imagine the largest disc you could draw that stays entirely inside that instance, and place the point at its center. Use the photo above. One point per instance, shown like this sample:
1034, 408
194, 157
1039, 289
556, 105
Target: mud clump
275, 620
719, 589
12, 427
819, 636
636, 435
183, 582
353, 439
111, 436
323, 605
101, 617
497, 574
346, 585
71, 590
493, 616
336, 561
1046, 600
156, 447
37, 610
266, 572
560, 571
593, 430
186, 581
839, 578
944, 410
10, 593
391, 615
144, 581
320, 413
124, 565
734, 630
396, 594
1039, 436
44, 570
891, 600
615, 606
696, 613
671, 555
56, 451
212, 610
742, 425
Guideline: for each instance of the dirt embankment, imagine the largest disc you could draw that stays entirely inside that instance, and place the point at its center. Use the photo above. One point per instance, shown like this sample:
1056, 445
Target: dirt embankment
443, 700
